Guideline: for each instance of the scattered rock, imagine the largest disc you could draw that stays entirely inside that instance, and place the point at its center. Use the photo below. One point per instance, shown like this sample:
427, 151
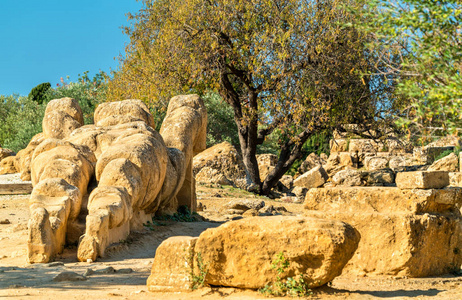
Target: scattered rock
172, 265
348, 178
448, 163
5, 221
222, 157
316, 177
422, 180
107, 270
311, 162
68, 276
244, 204
124, 271
375, 162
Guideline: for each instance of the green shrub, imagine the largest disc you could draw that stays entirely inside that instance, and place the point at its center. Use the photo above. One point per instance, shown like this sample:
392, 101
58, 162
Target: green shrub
38, 93
88, 92
21, 120
220, 124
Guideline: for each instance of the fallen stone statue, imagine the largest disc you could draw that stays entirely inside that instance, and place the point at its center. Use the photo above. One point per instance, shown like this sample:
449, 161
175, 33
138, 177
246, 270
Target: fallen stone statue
93, 184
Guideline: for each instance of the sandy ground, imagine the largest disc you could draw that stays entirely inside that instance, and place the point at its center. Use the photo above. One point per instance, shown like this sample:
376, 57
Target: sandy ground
131, 262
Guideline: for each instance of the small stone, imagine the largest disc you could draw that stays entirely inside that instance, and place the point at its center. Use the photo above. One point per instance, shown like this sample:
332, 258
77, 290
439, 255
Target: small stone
88, 272
5, 221
69, 276
124, 271
107, 270
89, 260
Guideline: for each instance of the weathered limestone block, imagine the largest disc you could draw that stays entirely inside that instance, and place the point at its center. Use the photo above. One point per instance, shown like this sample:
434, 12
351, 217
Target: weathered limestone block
384, 200
422, 180
447, 141
367, 146
173, 265
316, 249
222, 157
266, 164
376, 162
399, 161
427, 154
402, 244
24, 157
313, 178
348, 178
455, 179
412, 233
287, 181
209, 175
448, 163
338, 145
122, 112
384, 177
310, 162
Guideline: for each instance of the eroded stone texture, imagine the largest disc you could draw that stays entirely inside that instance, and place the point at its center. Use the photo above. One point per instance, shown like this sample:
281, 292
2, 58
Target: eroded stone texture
173, 265
422, 180
408, 232
448, 163
313, 178
315, 248
222, 157
136, 175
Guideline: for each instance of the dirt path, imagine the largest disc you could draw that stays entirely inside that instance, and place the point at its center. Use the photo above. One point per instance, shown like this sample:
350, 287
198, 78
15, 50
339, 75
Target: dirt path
131, 262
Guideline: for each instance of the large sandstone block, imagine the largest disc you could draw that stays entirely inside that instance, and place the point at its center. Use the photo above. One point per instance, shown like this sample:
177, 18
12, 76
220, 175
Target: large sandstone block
310, 162
240, 253
422, 180
412, 233
402, 244
312, 179
173, 265
384, 200
375, 162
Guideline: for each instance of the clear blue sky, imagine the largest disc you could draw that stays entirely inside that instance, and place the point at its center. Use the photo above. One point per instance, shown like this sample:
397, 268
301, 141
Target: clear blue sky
41, 41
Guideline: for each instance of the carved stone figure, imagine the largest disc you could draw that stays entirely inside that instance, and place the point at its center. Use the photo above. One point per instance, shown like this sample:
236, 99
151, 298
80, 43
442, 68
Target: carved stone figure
93, 184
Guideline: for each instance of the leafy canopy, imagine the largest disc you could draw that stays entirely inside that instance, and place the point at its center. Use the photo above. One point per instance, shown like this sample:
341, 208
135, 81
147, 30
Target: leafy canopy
288, 65
423, 43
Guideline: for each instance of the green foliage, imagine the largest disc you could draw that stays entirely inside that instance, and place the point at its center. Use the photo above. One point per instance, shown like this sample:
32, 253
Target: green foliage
456, 151
283, 65
183, 214
21, 120
220, 124
88, 92
421, 43
290, 286
198, 279
37, 94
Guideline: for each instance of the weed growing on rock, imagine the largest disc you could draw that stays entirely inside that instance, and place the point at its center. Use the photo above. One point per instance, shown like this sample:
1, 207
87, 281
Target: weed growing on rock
183, 214
290, 286
198, 279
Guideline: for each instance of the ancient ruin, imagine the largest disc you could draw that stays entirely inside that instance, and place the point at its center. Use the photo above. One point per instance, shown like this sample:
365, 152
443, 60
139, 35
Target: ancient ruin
93, 184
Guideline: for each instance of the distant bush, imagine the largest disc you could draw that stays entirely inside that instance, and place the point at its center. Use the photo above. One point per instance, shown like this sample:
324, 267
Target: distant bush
220, 125
21, 120
88, 92
37, 94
